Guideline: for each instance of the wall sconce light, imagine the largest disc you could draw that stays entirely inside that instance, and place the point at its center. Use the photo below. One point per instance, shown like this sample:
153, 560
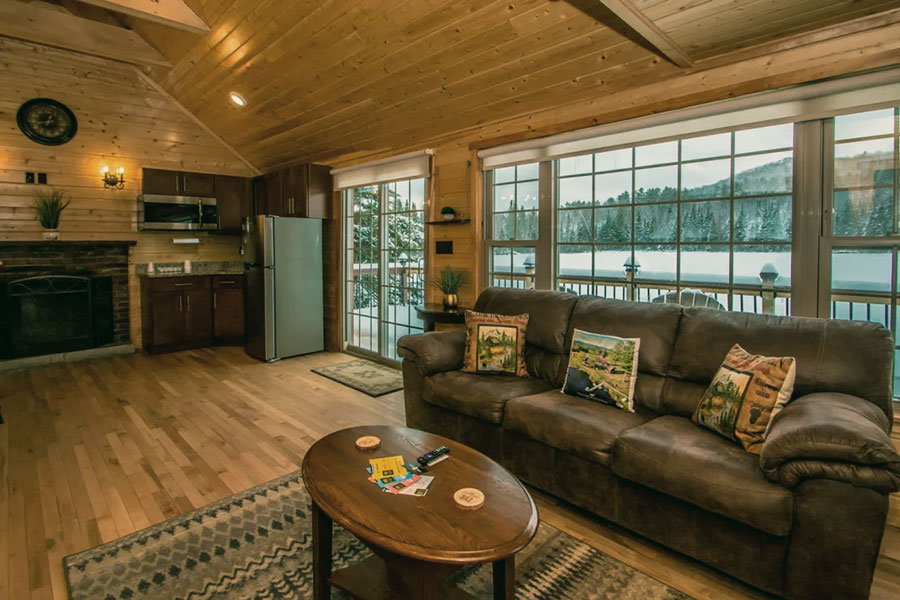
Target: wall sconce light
113, 180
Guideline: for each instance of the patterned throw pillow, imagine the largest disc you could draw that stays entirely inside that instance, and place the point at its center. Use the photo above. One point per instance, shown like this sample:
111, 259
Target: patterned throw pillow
603, 368
495, 343
746, 393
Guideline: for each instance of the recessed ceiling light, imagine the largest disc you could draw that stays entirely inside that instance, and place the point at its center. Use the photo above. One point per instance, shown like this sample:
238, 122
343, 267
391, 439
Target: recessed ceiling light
238, 99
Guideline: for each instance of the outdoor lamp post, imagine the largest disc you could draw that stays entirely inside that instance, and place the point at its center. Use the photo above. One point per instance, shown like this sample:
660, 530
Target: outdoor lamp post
768, 275
632, 266
529, 272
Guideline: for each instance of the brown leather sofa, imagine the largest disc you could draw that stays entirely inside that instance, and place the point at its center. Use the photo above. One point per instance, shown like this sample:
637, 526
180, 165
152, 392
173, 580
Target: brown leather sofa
802, 520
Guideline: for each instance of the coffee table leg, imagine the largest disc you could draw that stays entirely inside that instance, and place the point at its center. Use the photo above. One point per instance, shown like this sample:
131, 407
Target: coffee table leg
321, 553
505, 579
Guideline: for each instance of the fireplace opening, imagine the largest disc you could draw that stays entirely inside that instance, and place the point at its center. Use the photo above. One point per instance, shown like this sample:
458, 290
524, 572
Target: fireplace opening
56, 313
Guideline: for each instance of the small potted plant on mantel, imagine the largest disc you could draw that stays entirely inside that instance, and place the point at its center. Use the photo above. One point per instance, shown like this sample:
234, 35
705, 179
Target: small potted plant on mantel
448, 213
449, 281
48, 206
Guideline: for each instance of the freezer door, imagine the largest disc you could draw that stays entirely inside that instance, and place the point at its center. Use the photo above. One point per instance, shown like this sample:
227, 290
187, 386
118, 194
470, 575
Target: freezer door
299, 317
257, 239
259, 312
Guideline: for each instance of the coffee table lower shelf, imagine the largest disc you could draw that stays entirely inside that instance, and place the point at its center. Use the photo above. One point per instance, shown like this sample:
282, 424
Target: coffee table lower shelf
387, 576
372, 580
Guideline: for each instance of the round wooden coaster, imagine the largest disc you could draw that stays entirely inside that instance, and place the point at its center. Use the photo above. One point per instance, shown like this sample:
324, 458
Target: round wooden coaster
368, 442
469, 498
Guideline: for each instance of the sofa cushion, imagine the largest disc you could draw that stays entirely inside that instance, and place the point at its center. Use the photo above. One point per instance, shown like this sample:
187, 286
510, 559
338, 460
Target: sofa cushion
849, 357
603, 368
747, 392
576, 425
655, 324
495, 343
479, 396
673, 456
550, 312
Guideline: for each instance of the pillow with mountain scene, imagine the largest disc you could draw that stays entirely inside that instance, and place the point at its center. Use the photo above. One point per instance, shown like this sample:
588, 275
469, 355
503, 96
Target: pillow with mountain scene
746, 393
495, 344
603, 368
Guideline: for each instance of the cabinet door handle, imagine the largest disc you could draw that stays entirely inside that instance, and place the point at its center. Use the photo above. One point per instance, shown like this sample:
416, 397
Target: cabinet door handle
188, 303
183, 284
226, 282
180, 303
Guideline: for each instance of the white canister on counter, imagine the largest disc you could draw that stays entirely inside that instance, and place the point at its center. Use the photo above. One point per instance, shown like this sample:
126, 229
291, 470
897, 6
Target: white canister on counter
187, 266
150, 268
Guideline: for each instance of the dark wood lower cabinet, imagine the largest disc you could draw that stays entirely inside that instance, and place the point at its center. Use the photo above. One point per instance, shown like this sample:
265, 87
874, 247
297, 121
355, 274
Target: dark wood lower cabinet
179, 312
228, 310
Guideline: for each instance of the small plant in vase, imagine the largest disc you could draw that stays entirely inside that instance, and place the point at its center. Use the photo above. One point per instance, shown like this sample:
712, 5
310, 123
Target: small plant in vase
448, 213
449, 281
48, 207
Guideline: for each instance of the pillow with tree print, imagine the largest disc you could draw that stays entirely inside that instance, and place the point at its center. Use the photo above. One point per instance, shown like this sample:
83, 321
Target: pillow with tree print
603, 368
747, 391
495, 344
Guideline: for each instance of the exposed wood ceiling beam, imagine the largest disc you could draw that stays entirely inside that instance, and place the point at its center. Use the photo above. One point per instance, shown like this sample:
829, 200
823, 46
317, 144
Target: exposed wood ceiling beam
640, 24
53, 28
174, 13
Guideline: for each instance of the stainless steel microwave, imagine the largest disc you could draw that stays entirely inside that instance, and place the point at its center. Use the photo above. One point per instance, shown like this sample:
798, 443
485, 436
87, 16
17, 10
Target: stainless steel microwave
170, 213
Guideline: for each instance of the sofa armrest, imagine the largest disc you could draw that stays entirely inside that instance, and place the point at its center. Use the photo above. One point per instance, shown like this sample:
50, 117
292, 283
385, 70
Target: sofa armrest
434, 352
831, 436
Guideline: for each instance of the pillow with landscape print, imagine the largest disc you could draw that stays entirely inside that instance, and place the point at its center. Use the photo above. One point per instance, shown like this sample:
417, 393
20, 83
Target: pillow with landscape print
495, 344
746, 393
603, 368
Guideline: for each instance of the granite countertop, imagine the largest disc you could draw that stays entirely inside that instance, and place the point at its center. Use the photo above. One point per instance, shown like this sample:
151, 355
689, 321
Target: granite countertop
197, 268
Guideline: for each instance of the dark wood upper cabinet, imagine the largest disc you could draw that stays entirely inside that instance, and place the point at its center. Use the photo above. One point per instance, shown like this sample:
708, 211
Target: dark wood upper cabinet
300, 191
164, 183
318, 200
233, 202
198, 184
178, 183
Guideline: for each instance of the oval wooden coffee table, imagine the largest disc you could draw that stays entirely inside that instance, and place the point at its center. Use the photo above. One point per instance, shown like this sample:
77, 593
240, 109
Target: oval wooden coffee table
417, 541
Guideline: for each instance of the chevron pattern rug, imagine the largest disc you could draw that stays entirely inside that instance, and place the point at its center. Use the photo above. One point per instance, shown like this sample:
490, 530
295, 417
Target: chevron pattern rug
257, 545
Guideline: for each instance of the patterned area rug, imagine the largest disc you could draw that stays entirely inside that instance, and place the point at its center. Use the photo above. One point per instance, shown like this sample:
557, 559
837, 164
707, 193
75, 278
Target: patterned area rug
256, 545
365, 376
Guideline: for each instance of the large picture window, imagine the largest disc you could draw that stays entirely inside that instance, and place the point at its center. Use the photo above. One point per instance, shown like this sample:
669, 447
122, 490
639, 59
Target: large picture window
715, 219
710, 214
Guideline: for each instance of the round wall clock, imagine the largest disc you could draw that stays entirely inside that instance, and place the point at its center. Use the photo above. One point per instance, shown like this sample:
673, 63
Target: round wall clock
47, 121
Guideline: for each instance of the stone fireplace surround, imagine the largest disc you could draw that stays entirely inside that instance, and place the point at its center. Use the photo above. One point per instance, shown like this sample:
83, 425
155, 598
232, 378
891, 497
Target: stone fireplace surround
80, 259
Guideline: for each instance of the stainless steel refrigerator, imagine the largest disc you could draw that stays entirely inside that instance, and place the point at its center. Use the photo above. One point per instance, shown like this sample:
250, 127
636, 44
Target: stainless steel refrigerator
283, 278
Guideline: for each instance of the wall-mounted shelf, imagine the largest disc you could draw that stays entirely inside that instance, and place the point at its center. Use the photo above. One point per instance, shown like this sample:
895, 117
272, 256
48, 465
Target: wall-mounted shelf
450, 222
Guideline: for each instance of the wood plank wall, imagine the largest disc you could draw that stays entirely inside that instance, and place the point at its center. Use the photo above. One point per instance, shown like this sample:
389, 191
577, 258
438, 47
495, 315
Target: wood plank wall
458, 175
122, 122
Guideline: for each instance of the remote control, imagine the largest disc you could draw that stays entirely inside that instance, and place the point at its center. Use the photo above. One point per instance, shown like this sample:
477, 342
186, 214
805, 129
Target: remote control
429, 457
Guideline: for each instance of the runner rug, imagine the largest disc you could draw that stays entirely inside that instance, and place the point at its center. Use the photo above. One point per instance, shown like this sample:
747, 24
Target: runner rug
365, 376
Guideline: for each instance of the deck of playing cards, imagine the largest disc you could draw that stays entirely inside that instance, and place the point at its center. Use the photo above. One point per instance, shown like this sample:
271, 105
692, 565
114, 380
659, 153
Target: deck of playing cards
394, 476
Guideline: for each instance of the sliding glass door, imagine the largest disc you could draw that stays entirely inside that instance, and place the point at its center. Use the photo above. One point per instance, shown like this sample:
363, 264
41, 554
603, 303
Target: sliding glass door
384, 265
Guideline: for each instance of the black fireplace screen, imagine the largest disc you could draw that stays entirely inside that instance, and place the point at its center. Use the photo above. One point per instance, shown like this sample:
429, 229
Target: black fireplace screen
55, 313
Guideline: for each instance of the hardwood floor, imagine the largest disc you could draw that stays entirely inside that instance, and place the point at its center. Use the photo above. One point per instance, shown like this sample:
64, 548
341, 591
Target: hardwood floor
92, 451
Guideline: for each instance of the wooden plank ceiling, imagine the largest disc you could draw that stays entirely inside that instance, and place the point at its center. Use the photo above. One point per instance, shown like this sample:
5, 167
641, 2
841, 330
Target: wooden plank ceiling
331, 78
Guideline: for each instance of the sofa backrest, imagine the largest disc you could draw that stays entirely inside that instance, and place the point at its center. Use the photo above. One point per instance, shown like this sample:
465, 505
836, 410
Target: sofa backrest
655, 324
681, 348
850, 357
546, 354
